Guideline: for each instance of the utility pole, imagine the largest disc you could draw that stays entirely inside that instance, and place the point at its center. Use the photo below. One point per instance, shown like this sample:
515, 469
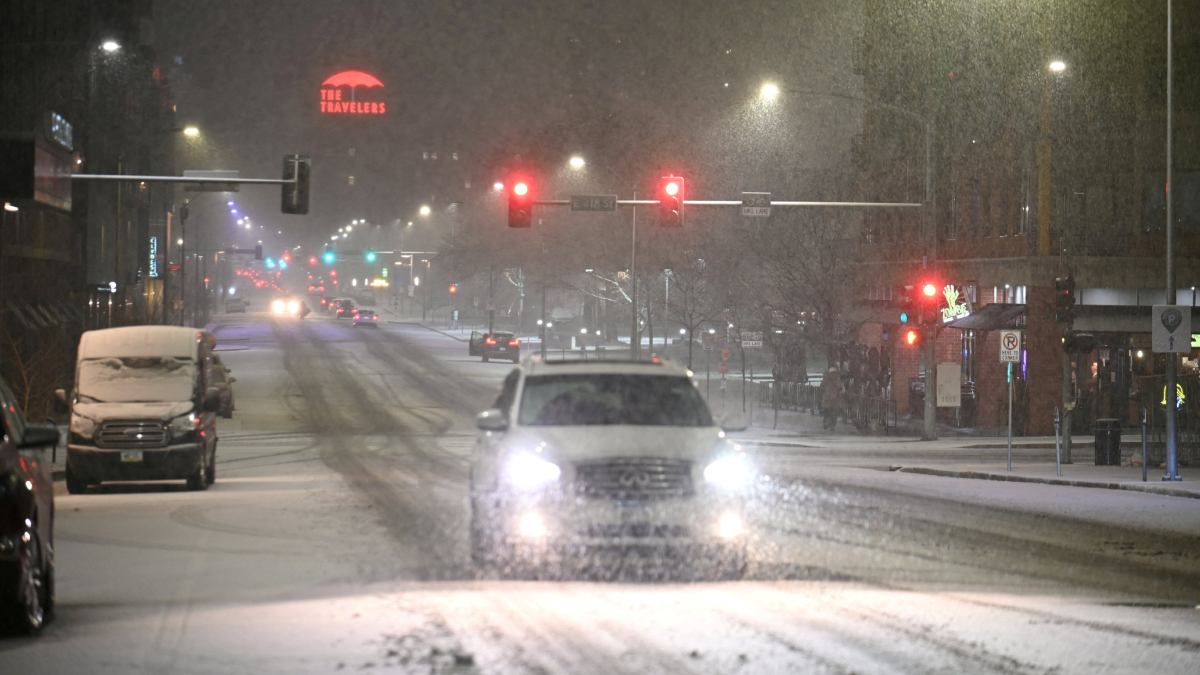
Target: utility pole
635, 340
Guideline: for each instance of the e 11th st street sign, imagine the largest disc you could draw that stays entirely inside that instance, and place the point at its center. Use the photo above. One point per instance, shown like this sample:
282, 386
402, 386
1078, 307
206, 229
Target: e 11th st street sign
1010, 346
1171, 329
593, 202
756, 204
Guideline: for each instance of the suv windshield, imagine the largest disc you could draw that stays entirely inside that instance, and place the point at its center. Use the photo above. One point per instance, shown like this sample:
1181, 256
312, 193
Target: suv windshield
129, 379
587, 400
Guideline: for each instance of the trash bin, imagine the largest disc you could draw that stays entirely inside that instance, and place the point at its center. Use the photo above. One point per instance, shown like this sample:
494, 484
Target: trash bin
1108, 441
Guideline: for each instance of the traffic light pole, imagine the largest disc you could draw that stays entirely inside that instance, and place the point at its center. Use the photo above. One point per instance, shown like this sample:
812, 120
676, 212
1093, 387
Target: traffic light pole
1172, 359
635, 340
929, 430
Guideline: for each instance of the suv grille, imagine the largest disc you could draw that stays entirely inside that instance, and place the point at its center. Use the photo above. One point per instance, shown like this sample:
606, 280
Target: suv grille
634, 478
132, 434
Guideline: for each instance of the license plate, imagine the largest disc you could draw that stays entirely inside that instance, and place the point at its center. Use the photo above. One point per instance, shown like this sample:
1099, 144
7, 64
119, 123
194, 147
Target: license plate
504, 349
131, 455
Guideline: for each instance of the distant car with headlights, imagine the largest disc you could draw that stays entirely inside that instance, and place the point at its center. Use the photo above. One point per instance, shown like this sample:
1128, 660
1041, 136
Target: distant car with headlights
607, 467
26, 518
500, 346
290, 307
365, 316
143, 407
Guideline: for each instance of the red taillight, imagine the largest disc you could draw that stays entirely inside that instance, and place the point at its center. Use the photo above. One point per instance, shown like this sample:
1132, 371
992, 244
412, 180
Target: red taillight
374, 318
514, 342
490, 341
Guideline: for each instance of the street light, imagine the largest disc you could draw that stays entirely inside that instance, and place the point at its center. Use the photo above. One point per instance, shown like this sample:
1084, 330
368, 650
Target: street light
576, 162
110, 46
425, 210
497, 187
1057, 66
191, 131
769, 91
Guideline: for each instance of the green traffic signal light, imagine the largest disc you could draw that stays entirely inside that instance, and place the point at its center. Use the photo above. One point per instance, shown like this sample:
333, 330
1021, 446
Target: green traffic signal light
328, 257
371, 256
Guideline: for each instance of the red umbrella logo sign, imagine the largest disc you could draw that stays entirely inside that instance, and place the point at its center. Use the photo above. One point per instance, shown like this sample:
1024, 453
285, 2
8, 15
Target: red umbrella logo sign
339, 94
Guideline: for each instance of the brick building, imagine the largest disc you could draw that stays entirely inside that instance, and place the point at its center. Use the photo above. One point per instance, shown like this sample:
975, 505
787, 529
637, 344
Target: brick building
1046, 133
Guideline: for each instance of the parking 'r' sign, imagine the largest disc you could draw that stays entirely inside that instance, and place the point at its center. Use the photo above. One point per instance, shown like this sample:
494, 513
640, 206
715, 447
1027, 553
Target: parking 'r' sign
1010, 346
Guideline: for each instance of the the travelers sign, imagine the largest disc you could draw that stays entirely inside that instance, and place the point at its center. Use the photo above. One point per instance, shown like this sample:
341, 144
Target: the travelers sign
352, 92
956, 306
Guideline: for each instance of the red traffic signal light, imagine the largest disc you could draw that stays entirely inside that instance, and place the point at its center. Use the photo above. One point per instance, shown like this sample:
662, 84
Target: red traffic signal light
929, 291
912, 337
312, 261
520, 202
670, 201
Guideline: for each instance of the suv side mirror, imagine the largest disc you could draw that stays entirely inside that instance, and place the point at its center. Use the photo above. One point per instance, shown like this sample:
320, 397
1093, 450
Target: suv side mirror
491, 420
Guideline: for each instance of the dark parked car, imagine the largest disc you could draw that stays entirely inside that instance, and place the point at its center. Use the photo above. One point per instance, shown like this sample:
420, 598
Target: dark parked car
26, 518
220, 378
343, 308
500, 345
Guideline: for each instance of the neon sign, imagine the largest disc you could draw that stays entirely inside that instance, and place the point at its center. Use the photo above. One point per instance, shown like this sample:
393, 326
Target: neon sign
152, 269
350, 93
956, 307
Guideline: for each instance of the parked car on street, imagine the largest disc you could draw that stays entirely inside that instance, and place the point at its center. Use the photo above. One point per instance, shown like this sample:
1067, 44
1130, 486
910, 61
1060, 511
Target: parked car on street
236, 306
26, 518
579, 460
220, 378
143, 408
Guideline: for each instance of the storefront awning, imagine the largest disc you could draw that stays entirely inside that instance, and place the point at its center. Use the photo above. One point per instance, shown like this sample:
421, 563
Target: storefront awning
995, 316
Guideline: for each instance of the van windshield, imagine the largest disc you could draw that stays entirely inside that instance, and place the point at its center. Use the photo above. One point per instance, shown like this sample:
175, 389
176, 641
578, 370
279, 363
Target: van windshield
142, 378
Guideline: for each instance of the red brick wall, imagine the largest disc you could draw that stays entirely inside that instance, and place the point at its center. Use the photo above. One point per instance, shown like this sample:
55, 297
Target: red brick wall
991, 385
1043, 339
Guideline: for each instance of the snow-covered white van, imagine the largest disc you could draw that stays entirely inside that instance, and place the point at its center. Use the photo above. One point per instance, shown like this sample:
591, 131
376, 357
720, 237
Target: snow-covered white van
142, 408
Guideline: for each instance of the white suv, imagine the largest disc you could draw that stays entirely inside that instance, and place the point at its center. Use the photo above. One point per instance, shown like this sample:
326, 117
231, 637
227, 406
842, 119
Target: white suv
607, 468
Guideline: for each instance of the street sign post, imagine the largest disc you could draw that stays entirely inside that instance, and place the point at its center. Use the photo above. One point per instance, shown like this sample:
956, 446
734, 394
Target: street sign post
593, 202
1171, 329
756, 204
1010, 353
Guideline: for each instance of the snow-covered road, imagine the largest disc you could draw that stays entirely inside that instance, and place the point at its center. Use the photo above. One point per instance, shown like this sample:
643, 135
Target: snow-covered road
335, 539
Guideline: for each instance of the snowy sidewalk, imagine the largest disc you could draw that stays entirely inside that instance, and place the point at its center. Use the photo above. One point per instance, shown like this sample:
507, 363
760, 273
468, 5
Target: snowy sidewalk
1080, 474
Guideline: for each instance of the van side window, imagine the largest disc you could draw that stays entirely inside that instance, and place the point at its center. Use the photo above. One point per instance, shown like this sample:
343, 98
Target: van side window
508, 392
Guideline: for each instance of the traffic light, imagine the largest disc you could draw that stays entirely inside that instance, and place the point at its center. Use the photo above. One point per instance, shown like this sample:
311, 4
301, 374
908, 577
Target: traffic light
296, 169
927, 298
912, 337
1064, 299
520, 203
907, 308
670, 201
312, 261
329, 256
258, 252
453, 289
270, 263
370, 256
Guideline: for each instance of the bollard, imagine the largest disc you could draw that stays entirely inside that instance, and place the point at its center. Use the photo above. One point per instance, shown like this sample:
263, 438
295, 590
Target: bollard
1145, 455
1057, 444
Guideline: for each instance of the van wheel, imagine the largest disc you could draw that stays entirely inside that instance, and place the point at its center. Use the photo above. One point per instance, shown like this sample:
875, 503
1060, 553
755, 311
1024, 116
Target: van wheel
75, 484
199, 478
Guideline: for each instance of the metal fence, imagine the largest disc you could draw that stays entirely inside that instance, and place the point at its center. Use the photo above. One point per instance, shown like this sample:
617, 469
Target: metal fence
865, 413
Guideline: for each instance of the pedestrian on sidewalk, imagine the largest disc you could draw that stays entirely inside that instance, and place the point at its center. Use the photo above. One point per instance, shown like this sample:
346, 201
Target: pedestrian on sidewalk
831, 398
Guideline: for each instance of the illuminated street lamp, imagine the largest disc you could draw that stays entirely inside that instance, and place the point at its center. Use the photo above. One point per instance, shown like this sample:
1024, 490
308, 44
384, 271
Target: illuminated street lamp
425, 210
1057, 66
110, 46
191, 131
497, 187
576, 162
769, 91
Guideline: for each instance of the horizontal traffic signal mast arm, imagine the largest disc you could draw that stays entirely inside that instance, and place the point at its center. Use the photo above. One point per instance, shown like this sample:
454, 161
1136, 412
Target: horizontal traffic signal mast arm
177, 179
736, 202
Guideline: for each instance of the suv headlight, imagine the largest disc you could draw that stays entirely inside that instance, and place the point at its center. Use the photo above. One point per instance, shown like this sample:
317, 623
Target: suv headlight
82, 426
184, 426
526, 471
730, 472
